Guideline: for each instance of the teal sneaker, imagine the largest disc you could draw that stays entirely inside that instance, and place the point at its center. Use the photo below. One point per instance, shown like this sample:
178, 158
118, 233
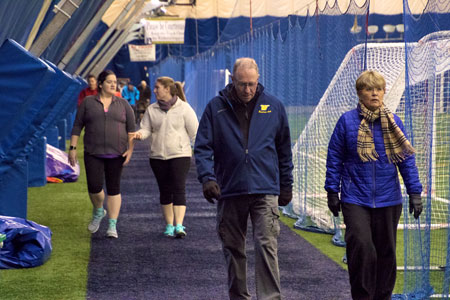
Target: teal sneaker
112, 232
170, 230
179, 231
95, 223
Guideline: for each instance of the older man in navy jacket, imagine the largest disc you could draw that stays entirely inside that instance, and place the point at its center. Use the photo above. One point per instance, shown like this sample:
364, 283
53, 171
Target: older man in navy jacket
244, 160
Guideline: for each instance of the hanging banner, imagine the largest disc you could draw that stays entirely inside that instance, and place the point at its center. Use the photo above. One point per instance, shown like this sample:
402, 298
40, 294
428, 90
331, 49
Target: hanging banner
142, 52
164, 31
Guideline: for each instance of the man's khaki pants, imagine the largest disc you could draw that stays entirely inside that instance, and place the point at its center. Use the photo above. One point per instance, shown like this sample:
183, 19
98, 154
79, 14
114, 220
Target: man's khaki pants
232, 216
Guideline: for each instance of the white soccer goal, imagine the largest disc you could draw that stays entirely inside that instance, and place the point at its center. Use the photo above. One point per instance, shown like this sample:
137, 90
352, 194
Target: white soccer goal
310, 150
428, 79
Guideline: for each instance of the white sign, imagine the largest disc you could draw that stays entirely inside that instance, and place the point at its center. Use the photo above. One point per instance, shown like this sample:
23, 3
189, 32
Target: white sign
163, 31
142, 52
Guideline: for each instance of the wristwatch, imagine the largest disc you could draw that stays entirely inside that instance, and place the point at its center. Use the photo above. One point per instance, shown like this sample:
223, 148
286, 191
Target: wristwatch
73, 147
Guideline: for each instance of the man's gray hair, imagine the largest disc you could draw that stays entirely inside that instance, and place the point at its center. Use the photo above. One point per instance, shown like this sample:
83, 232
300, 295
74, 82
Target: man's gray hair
246, 62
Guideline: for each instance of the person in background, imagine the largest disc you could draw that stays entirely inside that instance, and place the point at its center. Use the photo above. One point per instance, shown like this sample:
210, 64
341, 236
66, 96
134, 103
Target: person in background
109, 130
118, 93
144, 99
121, 86
146, 75
90, 90
244, 160
131, 93
171, 125
367, 149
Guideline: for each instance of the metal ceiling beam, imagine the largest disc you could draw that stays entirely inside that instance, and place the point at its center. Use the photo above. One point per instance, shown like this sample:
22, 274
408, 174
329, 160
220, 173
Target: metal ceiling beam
85, 34
40, 18
64, 10
101, 42
115, 43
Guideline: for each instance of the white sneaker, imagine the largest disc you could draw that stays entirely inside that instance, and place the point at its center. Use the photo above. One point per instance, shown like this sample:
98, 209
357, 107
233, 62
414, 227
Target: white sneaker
112, 232
95, 222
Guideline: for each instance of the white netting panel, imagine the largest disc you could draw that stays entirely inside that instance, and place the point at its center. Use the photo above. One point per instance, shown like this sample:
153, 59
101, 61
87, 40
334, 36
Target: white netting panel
310, 151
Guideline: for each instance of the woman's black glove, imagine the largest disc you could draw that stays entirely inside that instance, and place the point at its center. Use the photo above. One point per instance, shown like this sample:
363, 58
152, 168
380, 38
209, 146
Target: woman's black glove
285, 196
415, 204
334, 203
211, 190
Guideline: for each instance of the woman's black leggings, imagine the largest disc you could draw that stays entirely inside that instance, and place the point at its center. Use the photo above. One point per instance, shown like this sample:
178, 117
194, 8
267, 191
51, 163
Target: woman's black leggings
99, 170
171, 177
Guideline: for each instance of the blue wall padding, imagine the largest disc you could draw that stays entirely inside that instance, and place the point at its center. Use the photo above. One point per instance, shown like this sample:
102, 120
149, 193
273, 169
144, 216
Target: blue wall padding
52, 136
70, 117
25, 85
60, 100
62, 130
36, 163
34, 95
13, 188
64, 96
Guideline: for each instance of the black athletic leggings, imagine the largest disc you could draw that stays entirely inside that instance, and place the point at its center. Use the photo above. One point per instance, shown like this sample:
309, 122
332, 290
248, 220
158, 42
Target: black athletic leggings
171, 177
99, 170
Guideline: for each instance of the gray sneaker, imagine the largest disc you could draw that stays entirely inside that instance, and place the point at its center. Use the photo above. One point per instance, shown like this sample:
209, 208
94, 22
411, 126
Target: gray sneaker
95, 223
112, 232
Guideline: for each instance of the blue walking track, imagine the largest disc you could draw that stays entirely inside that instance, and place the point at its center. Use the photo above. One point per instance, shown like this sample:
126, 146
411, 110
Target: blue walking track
143, 264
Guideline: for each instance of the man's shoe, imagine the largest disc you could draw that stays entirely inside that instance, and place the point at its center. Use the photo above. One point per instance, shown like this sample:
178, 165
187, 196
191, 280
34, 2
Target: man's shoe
112, 232
170, 230
95, 223
179, 231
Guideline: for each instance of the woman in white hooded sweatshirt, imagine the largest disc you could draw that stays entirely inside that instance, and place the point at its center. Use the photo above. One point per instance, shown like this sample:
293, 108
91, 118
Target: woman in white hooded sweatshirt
171, 125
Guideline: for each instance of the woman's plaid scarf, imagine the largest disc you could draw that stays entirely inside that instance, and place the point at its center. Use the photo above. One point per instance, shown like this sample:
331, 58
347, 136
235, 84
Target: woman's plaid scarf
396, 144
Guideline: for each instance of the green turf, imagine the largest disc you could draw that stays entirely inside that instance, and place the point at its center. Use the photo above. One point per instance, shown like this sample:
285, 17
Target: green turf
319, 240
65, 208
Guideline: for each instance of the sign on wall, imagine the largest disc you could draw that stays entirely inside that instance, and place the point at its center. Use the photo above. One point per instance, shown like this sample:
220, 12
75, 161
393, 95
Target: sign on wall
164, 31
142, 52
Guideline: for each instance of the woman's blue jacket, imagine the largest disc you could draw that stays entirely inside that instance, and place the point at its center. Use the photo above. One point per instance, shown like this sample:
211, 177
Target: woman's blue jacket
371, 184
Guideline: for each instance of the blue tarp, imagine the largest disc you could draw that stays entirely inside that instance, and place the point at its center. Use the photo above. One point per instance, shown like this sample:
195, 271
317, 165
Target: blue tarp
27, 243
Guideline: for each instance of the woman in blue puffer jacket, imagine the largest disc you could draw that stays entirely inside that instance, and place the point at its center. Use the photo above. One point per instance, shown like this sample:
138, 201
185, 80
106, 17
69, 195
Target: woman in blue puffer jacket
367, 149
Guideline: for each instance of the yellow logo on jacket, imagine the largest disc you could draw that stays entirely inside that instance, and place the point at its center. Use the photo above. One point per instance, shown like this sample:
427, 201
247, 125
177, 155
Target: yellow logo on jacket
264, 109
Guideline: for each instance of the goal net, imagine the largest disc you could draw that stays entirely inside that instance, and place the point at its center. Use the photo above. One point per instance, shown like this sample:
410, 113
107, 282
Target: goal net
425, 115
310, 150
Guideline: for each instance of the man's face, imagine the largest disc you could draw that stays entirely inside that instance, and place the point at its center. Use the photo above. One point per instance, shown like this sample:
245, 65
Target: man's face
245, 82
92, 83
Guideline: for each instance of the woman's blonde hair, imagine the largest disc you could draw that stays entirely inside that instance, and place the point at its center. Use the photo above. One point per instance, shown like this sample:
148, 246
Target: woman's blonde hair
371, 79
175, 87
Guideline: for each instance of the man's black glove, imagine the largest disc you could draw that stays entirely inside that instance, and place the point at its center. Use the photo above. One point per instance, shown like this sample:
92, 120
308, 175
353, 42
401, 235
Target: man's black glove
211, 190
333, 203
415, 204
285, 196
